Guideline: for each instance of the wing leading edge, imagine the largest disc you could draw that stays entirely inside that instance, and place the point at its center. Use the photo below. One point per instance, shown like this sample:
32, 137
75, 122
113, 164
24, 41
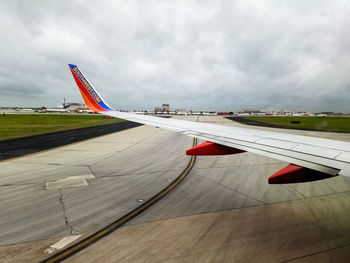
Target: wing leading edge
326, 156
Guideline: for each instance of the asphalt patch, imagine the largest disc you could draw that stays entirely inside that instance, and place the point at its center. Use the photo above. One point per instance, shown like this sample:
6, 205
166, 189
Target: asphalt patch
19, 147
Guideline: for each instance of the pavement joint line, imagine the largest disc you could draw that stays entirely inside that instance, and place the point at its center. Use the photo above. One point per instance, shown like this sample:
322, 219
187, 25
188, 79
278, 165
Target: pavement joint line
91, 239
315, 253
289, 188
234, 190
15, 185
310, 197
91, 171
65, 165
143, 173
125, 149
197, 214
242, 208
314, 223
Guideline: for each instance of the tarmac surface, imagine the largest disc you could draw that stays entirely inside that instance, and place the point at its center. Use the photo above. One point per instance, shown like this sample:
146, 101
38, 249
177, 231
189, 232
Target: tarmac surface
224, 211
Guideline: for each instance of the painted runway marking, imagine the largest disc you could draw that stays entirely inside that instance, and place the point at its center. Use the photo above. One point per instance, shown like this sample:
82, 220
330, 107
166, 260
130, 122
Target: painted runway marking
61, 243
70, 181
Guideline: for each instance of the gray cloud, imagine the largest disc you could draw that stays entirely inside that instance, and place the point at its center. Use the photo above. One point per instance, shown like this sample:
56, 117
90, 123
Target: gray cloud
191, 54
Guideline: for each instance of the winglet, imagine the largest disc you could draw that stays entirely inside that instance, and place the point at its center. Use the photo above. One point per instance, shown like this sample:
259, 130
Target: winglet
92, 99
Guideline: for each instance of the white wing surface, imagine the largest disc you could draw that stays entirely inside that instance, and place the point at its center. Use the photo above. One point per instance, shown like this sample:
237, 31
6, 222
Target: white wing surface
324, 155
327, 156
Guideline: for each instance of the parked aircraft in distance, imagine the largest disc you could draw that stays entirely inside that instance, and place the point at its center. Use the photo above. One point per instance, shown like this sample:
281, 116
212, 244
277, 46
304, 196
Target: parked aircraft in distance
309, 158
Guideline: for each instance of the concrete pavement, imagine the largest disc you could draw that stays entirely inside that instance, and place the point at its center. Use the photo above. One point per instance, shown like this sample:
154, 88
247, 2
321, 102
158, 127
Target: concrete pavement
223, 211
226, 212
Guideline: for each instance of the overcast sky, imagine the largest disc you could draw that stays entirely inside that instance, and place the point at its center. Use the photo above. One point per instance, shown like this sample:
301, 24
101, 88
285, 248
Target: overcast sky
191, 54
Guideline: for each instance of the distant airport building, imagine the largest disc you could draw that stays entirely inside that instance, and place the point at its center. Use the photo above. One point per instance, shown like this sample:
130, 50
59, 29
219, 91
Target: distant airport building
180, 111
163, 108
60, 110
75, 107
72, 104
65, 108
26, 110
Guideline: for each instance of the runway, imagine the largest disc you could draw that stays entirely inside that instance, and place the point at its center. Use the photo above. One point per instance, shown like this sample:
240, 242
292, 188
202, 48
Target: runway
223, 211
13, 148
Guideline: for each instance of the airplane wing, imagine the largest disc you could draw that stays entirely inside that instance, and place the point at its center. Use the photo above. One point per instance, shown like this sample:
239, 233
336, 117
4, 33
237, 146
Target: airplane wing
310, 158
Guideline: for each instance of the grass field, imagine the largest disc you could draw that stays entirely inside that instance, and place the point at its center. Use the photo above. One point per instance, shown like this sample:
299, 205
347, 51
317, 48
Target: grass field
23, 125
337, 124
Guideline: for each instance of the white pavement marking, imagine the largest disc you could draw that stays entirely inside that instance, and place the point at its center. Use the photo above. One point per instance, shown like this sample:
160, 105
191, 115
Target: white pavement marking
61, 244
70, 181
67, 182
87, 176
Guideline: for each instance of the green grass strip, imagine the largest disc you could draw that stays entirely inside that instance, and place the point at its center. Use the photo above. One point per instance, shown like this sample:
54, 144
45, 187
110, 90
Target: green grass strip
336, 124
23, 125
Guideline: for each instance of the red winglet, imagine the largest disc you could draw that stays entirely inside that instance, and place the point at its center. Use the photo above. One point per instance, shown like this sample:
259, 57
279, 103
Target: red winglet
296, 174
210, 148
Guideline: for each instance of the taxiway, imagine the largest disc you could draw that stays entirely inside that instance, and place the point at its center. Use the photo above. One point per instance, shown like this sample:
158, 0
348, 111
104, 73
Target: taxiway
223, 211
